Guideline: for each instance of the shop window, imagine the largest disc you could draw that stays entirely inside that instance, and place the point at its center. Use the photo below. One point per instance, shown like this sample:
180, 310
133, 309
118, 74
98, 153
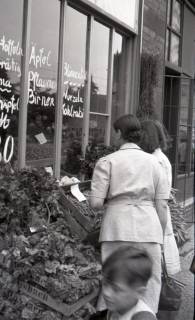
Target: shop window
178, 121
99, 68
74, 82
42, 79
99, 76
174, 34
10, 74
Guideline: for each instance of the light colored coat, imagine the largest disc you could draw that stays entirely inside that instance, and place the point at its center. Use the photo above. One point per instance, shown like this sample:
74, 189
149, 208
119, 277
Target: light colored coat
130, 181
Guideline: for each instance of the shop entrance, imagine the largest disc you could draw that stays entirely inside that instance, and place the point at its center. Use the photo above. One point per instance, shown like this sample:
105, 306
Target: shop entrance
179, 120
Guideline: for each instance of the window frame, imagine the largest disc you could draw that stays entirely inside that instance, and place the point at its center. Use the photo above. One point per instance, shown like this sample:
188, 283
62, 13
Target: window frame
132, 47
171, 31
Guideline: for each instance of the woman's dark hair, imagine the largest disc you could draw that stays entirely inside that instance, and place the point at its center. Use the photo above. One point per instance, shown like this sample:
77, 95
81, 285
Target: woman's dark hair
163, 135
129, 127
149, 136
130, 264
153, 136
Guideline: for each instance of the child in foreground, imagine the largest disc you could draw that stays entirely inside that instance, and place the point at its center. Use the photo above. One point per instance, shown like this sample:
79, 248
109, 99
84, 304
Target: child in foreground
125, 275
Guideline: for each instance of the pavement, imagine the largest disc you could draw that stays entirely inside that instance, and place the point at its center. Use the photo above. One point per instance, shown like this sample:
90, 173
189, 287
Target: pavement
186, 311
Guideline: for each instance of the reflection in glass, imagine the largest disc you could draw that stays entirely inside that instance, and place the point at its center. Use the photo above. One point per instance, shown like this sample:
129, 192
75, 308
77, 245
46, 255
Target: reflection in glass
118, 74
97, 129
42, 79
74, 78
10, 74
99, 68
174, 52
167, 45
176, 16
168, 11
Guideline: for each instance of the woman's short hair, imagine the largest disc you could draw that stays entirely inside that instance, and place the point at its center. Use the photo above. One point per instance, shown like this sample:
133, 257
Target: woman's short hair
132, 265
152, 136
129, 127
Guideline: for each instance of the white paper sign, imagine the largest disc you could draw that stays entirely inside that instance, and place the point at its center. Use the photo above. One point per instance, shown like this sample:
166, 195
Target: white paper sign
41, 138
49, 170
77, 193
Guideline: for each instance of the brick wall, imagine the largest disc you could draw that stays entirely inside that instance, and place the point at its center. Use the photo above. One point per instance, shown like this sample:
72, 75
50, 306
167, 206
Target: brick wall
153, 42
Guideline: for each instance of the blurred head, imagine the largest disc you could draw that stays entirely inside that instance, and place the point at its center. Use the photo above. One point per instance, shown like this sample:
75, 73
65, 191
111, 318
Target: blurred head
152, 136
125, 276
127, 129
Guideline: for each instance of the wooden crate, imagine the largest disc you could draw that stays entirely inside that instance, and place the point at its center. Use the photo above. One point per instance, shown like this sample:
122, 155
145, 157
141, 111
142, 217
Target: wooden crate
79, 224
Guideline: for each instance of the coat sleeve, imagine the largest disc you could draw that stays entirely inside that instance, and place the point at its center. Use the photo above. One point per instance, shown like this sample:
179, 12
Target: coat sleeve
160, 181
100, 183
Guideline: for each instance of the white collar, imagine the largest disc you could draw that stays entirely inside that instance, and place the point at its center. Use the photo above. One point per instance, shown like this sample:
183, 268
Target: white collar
129, 145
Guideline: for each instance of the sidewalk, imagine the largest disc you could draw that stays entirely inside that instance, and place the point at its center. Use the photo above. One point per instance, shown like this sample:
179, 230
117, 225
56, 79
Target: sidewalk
186, 311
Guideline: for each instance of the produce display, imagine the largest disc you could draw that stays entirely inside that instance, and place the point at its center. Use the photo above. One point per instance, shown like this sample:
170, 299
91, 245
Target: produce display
46, 272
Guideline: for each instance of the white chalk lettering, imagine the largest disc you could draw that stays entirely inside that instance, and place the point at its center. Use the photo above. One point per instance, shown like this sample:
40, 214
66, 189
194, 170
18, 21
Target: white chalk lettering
47, 101
39, 59
9, 144
34, 98
9, 106
10, 47
70, 73
72, 98
11, 65
71, 112
9, 140
6, 84
36, 81
4, 122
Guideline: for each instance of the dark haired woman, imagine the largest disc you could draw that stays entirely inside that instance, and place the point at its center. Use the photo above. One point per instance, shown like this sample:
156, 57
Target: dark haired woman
129, 181
154, 140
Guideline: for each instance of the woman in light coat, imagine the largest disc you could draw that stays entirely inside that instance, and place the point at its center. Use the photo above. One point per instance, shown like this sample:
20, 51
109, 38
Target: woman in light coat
154, 141
129, 184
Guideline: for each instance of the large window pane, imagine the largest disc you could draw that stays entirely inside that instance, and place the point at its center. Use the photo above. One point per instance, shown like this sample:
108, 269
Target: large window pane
118, 79
10, 75
175, 46
176, 16
74, 78
42, 79
99, 66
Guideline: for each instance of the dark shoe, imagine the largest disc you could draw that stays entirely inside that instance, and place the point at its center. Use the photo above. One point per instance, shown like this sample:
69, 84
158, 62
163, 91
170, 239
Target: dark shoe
100, 315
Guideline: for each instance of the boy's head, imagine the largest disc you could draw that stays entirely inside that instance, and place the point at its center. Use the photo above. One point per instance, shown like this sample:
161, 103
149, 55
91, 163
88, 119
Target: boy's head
125, 275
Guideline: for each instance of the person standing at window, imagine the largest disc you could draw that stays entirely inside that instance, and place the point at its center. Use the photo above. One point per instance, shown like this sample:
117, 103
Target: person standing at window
154, 141
129, 184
